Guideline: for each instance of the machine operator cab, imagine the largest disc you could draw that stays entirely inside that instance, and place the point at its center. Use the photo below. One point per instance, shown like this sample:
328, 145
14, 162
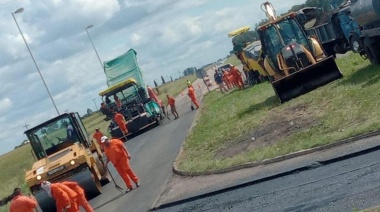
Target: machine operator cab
56, 134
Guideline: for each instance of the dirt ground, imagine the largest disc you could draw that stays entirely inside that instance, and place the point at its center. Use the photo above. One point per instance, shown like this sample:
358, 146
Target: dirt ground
277, 126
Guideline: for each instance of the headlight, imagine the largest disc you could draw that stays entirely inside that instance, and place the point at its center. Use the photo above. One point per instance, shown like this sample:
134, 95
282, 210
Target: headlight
39, 177
72, 162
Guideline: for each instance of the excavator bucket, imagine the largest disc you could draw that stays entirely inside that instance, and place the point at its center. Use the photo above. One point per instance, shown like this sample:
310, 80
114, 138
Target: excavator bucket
307, 79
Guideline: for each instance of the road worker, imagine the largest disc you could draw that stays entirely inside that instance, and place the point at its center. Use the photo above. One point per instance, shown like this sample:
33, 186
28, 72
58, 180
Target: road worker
227, 79
81, 199
21, 203
65, 198
237, 77
119, 156
191, 94
120, 121
171, 103
97, 136
152, 95
118, 103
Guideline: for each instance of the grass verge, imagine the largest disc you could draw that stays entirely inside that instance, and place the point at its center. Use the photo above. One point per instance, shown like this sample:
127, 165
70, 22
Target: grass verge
251, 125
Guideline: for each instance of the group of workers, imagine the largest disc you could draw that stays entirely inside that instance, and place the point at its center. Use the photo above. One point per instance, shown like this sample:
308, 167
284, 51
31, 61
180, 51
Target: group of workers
228, 78
69, 195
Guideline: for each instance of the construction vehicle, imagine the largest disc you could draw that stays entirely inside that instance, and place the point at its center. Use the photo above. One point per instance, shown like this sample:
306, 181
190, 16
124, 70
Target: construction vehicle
297, 62
138, 110
248, 50
64, 151
336, 30
125, 81
367, 14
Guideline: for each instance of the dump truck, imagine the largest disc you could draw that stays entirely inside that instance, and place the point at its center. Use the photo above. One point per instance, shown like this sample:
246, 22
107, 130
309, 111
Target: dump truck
336, 30
296, 61
138, 110
63, 150
367, 14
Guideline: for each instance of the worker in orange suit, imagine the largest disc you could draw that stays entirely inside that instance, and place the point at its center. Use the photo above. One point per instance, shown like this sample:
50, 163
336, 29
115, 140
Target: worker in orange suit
191, 94
21, 203
97, 136
173, 109
65, 198
152, 94
226, 79
237, 77
119, 156
120, 121
81, 199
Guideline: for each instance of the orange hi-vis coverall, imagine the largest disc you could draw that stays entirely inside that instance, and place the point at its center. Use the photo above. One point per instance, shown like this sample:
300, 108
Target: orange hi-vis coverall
64, 197
120, 121
191, 94
23, 204
118, 155
237, 77
81, 199
97, 135
154, 96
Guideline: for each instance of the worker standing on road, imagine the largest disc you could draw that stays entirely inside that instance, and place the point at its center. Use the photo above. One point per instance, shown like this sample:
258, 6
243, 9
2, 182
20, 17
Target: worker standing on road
81, 199
171, 102
118, 154
98, 135
120, 121
65, 198
218, 77
20, 203
191, 94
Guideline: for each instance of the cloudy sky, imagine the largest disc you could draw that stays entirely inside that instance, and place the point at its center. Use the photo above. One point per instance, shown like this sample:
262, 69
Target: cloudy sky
168, 35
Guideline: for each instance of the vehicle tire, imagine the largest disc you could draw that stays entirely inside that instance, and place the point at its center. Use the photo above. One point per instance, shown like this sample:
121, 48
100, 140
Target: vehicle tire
372, 52
355, 43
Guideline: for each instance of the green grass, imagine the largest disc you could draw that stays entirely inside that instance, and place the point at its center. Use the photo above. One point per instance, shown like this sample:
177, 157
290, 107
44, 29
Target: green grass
174, 88
233, 60
341, 109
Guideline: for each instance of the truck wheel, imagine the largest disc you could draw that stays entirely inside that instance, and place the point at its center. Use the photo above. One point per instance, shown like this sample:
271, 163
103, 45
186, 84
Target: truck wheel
372, 53
355, 43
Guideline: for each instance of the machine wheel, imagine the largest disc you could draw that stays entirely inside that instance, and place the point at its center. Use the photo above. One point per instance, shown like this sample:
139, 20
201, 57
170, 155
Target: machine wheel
355, 43
372, 53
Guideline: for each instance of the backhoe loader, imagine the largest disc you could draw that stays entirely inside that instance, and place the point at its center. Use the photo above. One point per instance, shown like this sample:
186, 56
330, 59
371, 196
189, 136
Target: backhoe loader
297, 62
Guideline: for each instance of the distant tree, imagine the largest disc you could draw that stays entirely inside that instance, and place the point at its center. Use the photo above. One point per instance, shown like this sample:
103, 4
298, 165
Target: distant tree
171, 78
89, 111
163, 80
155, 84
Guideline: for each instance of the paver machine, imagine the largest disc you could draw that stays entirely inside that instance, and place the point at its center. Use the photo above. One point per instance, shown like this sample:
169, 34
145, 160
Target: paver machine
297, 62
139, 111
64, 152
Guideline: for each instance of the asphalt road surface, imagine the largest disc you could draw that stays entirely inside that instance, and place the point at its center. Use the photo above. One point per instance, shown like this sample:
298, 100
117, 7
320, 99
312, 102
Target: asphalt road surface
348, 185
153, 154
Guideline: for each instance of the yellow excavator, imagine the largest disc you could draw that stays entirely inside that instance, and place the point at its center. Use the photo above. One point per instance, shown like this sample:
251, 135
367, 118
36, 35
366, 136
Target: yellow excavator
297, 62
249, 54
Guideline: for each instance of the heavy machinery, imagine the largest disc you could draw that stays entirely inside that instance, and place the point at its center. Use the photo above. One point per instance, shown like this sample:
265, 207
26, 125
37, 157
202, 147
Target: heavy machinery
336, 30
297, 62
64, 151
248, 50
367, 14
139, 111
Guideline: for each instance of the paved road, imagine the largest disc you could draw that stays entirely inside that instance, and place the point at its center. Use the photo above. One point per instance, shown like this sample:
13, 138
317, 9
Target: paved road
347, 185
153, 153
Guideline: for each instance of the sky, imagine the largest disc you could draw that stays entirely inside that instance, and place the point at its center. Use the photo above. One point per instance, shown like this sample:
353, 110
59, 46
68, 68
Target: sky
168, 36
